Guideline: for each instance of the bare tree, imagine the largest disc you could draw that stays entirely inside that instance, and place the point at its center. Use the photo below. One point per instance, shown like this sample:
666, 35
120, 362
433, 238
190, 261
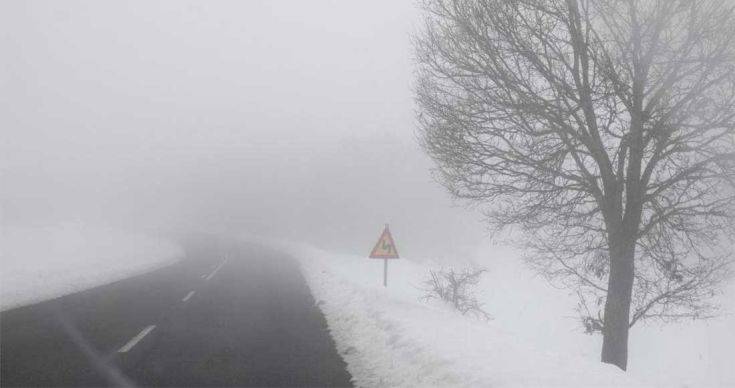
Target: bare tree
604, 130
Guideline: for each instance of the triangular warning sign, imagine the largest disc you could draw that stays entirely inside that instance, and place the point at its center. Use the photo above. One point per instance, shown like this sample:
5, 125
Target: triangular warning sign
385, 248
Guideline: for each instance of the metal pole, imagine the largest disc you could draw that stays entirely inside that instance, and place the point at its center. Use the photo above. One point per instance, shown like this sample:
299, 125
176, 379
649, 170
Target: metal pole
385, 272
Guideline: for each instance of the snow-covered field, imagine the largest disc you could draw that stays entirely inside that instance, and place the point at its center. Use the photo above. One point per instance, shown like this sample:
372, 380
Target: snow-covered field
37, 264
681, 354
389, 337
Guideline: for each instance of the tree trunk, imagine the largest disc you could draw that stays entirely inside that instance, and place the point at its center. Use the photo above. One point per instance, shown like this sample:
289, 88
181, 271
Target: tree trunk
617, 305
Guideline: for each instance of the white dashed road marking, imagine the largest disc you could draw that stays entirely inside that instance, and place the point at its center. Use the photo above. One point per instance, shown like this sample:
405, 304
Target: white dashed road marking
216, 269
189, 295
136, 339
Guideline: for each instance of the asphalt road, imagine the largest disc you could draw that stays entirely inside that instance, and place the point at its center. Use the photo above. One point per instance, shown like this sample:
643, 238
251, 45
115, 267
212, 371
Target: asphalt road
227, 315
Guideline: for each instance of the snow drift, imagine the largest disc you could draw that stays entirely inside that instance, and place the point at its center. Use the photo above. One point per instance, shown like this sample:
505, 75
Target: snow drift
45, 263
388, 337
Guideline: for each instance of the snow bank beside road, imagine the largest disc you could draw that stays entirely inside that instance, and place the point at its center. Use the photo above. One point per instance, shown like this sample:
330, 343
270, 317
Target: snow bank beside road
678, 354
44, 263
389, 338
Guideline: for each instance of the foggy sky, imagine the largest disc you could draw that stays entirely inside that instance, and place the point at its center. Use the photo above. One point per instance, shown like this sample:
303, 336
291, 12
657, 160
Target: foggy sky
289, 118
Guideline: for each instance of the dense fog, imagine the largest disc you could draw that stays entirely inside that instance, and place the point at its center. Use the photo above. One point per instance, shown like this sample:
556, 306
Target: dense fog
146, 144
286, 119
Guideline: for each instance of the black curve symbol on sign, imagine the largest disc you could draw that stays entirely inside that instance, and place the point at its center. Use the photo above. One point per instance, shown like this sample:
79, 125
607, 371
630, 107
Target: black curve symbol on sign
386, 246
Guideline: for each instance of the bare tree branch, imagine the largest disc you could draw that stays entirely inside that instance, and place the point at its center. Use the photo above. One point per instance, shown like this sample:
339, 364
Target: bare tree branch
604, 130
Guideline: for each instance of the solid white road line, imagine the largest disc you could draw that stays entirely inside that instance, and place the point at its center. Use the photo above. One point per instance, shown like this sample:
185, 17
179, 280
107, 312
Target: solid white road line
189, 295
216, 269
136, 339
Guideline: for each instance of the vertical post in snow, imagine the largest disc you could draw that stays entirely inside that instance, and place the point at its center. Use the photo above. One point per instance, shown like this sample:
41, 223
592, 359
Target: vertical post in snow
385, 272
384, 249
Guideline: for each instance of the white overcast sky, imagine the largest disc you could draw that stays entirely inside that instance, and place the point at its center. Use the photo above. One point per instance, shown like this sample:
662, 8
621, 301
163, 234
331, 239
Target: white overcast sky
292, 118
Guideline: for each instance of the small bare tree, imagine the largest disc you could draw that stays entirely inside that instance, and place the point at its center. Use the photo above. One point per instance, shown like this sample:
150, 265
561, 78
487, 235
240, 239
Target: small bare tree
457, 289
604, 130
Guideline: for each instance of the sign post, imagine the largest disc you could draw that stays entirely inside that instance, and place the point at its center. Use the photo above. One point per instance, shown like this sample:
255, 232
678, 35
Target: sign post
385, 249
385, 272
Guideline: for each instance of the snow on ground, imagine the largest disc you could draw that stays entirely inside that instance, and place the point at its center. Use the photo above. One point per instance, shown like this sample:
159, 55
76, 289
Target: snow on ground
389, 337
681, 354
37, 264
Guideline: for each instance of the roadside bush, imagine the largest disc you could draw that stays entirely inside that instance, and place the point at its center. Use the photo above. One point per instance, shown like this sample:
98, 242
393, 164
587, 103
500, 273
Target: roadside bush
457, 288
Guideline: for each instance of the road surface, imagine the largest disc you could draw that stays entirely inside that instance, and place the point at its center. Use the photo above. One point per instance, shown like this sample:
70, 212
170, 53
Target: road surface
226, 315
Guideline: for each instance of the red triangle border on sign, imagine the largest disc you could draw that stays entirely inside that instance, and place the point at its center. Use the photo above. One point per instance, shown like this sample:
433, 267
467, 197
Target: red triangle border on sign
384, 236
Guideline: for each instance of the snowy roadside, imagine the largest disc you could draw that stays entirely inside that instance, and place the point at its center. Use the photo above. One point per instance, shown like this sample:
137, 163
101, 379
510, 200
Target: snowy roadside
388, 337
44, 263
